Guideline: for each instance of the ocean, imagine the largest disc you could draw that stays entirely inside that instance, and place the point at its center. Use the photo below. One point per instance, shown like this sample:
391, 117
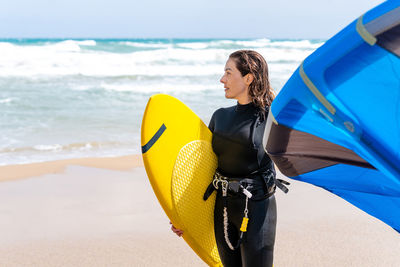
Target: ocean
64, 98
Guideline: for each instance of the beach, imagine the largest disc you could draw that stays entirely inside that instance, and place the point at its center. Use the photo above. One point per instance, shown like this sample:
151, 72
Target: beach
102, 212
73, 189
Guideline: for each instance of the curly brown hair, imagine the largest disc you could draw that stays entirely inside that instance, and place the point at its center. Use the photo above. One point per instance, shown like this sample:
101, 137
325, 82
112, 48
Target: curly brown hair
260, 91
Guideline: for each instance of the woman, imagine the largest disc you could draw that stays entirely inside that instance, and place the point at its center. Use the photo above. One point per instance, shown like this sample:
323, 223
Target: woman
245, 177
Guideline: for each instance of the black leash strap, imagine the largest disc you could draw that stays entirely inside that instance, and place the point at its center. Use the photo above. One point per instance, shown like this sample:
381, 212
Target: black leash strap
281, 185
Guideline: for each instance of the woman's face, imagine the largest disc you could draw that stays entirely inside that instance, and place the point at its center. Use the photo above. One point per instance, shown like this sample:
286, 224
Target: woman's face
236, 86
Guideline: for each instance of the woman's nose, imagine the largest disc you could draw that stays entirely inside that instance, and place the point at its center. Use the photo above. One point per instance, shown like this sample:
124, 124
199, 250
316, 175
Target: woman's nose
222, 80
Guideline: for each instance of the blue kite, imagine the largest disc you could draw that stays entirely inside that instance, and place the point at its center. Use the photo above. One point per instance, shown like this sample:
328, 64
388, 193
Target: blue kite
336, 122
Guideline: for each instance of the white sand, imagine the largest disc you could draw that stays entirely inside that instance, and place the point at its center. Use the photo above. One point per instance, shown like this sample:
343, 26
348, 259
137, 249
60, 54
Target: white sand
97, 217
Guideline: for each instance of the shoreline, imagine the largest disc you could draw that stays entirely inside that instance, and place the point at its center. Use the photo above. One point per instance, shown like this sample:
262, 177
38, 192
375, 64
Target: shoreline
22, 171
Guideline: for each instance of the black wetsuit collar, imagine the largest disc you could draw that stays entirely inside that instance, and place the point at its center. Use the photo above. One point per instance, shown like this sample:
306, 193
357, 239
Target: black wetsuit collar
243, 107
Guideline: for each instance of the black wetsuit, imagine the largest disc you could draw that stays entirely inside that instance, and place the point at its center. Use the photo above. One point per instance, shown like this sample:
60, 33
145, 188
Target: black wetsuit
237, 142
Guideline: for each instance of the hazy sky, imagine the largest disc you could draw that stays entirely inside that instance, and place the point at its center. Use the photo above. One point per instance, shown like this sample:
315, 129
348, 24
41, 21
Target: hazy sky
178, 18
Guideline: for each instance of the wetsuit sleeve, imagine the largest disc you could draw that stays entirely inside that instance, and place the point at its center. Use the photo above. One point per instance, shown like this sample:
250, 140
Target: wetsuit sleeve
211, 125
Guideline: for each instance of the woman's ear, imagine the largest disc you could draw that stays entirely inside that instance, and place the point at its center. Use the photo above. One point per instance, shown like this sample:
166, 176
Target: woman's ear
248, 79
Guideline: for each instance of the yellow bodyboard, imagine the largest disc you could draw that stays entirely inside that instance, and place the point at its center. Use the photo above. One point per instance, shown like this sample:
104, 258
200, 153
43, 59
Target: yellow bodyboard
180, 163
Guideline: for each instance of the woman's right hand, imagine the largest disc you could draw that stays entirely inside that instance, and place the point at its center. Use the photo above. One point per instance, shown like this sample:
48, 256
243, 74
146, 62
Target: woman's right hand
178, 232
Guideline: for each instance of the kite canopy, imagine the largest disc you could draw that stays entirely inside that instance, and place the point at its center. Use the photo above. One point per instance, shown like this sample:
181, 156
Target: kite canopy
336, 122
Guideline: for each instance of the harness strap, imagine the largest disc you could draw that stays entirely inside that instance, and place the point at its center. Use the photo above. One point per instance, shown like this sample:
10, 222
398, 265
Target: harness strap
235, 185
210, 189
281, 185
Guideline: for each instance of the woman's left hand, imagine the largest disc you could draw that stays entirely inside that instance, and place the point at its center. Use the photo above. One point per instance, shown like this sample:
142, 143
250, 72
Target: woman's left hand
177, 231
